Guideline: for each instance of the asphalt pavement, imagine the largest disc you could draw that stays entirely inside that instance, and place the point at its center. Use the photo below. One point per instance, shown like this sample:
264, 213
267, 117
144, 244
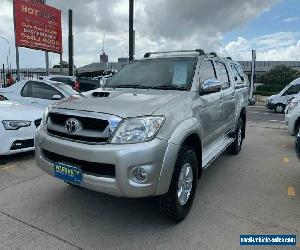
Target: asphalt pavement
256, 192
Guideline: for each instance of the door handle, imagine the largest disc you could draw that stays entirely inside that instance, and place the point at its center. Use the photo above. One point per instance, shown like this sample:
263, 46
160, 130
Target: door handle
221, 100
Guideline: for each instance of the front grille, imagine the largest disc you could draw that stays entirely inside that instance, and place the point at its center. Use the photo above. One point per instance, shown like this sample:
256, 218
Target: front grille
93, 130
87, 122
22, 144
78, 137
91, 168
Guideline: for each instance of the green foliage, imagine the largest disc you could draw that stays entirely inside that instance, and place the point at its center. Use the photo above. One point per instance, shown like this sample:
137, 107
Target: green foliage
279, 75
265, 93
269, 88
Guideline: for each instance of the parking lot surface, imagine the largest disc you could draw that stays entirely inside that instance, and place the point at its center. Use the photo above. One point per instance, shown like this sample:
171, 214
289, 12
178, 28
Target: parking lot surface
256, 192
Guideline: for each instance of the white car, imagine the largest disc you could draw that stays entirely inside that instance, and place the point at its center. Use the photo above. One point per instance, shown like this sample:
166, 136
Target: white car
69, 80
37, 93
279, 102
18, 123
292, 116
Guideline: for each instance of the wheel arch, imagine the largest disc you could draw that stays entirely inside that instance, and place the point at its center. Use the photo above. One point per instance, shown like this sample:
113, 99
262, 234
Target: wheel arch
194, 141
297, 123
189, 133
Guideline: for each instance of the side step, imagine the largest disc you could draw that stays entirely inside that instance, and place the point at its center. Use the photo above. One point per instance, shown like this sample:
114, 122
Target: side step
214, 150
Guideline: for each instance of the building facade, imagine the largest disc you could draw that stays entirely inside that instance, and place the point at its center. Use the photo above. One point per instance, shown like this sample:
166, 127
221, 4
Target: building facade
262, 67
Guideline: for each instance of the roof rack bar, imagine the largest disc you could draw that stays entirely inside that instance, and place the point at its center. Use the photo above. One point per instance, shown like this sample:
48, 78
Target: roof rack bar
200, 51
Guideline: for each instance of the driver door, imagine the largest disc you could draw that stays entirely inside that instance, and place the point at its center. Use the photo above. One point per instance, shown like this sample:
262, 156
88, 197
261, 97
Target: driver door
209, 105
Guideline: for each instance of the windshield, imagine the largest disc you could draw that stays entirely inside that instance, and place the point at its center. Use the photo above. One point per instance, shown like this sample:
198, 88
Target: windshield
160, 73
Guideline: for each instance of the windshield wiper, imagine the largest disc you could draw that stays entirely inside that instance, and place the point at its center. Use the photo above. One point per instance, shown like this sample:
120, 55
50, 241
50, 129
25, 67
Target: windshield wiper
134, 86
168, 87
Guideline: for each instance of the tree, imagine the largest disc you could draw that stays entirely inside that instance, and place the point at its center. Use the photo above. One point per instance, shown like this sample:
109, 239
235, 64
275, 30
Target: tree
279, 75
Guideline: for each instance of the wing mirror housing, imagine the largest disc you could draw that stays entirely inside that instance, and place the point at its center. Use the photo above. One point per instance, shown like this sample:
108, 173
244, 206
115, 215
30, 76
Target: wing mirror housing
210, 86
56, 97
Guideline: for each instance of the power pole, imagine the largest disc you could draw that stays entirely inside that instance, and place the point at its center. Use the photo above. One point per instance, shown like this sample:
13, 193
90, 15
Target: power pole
252, 73
17, 49
71, 44
46, 53
18, 63
131, 31
61, 64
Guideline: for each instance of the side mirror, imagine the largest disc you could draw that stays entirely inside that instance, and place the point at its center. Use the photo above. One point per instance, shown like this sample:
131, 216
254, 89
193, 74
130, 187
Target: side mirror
210, 86
56, 97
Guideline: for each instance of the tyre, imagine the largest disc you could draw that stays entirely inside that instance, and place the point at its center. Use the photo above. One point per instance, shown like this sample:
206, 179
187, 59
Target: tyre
236, 146
297, 127
176, 204
279, 108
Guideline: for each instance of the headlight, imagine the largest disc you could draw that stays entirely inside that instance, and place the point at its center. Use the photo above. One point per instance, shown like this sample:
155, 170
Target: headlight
15, 125
137, 130
293, 105
45, 116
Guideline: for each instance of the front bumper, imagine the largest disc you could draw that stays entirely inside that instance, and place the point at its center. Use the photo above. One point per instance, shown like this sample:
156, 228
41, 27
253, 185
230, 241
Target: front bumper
9, 137
157, 157
290, 120
270, 106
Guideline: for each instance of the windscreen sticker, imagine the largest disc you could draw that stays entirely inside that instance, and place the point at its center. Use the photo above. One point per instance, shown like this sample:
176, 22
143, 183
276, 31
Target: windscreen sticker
180, 74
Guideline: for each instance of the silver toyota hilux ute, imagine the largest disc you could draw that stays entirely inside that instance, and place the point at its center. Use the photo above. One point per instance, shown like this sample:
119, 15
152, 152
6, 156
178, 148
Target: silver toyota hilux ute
150, 131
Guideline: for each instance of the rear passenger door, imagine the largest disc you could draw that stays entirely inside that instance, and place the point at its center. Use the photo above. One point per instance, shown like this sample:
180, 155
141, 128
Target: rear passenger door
228, 109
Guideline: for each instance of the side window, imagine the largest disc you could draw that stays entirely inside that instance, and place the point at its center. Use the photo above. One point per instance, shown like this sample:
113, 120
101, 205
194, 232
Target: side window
293, 90
236, 75
67, 81
55, 79
207, 71
43, 91
240, 71
223, 75
26, 90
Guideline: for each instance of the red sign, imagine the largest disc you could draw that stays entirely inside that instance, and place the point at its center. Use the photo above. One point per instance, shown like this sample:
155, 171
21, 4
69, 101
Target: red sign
37, 26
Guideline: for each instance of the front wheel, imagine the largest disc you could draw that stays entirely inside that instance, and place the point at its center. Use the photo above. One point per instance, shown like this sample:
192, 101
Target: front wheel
279, 108
176, 204
236, 146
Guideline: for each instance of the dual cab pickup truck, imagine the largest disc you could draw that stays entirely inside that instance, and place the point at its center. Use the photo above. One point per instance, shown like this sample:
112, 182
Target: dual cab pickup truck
150, 131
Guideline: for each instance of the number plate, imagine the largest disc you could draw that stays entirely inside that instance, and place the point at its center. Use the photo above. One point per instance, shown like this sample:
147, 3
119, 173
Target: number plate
68, 173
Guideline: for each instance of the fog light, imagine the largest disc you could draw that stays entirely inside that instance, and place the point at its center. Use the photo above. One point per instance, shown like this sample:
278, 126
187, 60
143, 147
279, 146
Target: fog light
138, 175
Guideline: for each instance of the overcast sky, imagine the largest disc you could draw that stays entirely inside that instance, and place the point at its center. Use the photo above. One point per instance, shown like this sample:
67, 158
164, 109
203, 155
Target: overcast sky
231, 27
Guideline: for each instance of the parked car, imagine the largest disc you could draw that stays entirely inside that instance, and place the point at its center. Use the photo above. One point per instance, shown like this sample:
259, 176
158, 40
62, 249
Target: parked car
37, 93
107, 75
69, 80
292, 116
147, 134
81, 84
87, 84
278, 102
18, 123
